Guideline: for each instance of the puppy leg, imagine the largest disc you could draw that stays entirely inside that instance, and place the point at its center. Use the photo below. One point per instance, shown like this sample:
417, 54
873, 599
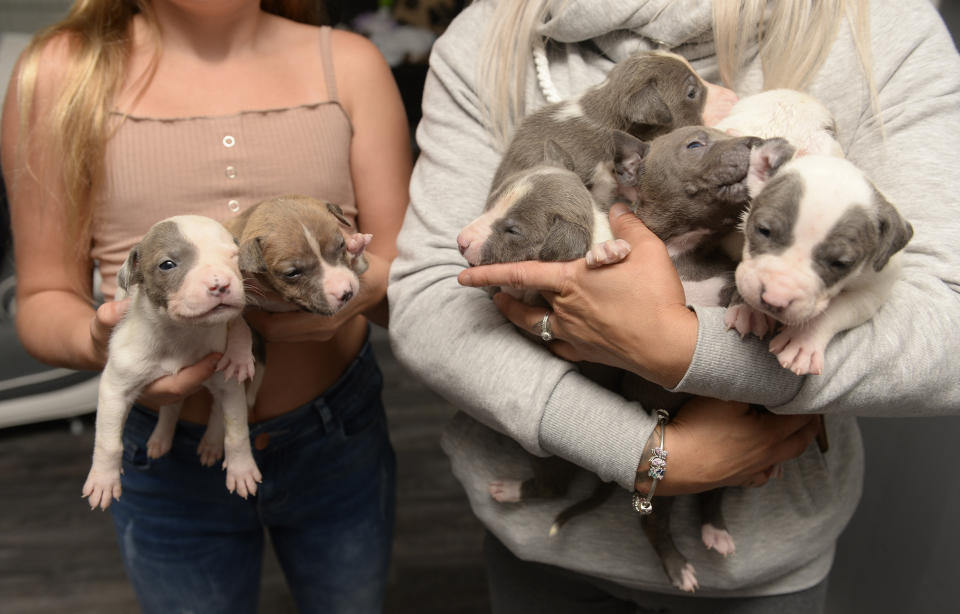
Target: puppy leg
242, 472
551, 478
113, 403
656, 526
713, 528
607, 252
161, 439
237, 359
210, 448
801, 348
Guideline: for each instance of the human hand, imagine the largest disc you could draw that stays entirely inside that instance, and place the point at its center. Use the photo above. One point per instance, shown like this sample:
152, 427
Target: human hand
713, 443
189, 380
631, 315
104, 319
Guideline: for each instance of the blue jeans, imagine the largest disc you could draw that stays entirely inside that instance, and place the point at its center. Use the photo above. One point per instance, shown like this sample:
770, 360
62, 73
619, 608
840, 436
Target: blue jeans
327, 499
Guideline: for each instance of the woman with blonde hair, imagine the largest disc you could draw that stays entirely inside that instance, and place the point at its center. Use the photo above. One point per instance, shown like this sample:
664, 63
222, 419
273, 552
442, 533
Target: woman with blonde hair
130, 111
890, 74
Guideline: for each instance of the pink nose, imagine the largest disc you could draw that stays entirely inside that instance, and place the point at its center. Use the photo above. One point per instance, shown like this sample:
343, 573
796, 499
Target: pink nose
777, 299
218, 288
463, 243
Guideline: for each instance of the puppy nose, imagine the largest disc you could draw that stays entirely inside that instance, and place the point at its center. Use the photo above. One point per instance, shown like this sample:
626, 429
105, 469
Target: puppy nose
346, 296
462, 243
774, 304
218, 288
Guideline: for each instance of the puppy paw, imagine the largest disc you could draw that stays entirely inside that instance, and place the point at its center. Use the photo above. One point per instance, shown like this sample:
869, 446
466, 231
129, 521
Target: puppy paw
357, 242
237, 365
684, 578
242, 475
800, 350
717, 539
608, 252
505, 491
746, 320
101, 487
159, 443
209, 451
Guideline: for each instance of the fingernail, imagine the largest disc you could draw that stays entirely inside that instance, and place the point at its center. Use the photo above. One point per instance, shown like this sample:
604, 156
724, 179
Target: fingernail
619, 209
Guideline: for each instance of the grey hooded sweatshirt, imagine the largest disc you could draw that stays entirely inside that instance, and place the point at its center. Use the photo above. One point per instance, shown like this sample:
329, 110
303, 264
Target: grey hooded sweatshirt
518, 399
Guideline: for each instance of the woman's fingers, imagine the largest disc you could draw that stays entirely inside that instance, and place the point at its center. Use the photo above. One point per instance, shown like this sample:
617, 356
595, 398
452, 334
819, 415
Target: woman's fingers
174, 388
543, 276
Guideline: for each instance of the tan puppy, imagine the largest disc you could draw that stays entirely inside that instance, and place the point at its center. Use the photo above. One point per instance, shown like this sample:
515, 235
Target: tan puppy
294, 249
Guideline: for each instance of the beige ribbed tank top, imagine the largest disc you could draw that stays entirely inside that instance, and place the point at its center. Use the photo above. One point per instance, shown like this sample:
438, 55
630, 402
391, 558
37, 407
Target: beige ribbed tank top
217, 166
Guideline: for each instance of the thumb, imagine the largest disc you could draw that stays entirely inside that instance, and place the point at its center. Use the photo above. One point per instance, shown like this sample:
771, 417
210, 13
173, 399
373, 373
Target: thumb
626, 225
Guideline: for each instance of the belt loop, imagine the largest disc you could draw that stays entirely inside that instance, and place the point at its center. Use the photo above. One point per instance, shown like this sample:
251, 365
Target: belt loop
326, 416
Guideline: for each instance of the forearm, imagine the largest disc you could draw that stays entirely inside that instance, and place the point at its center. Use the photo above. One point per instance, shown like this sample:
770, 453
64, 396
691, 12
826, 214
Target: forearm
54, 326
373, 291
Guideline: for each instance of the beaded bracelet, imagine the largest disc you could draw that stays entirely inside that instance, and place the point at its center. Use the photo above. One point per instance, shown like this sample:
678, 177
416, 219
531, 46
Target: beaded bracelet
658, 466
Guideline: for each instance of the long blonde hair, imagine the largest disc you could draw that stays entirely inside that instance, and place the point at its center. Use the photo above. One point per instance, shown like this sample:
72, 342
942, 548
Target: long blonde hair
794, 39
77, 127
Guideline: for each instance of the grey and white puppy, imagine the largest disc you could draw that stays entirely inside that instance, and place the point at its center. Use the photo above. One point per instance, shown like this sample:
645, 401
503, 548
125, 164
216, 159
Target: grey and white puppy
186, 298
820, 256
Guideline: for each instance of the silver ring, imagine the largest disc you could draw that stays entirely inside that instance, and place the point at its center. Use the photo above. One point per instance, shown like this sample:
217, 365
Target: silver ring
544, 327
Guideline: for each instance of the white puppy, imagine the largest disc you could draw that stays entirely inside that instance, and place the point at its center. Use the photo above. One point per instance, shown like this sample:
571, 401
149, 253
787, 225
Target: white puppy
186, 296
819, 256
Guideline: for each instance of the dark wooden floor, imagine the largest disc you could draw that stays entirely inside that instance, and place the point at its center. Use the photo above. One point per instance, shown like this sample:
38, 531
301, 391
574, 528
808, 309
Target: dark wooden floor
58, 556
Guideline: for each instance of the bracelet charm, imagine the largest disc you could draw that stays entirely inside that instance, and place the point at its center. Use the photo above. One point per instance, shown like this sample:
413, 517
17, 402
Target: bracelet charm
642, 504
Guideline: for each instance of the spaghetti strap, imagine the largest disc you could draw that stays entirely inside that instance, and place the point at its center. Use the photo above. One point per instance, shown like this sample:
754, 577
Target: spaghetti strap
328, 74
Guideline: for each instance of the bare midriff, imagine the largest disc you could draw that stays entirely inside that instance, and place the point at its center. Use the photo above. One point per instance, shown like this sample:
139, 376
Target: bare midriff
295, 373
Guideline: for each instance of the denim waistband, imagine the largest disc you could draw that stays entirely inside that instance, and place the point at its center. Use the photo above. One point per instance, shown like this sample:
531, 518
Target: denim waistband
360, 380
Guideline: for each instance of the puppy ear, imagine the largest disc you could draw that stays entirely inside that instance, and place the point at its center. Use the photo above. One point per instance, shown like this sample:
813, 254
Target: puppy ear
555, 155
338, 213
251, 256
130, 273
765, 160
647, 108
895, 232
629, 153
565, 241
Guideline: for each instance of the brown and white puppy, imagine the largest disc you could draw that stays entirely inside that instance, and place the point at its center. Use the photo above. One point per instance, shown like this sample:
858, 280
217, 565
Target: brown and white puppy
186, 298
820, 256
645, 95
294, 249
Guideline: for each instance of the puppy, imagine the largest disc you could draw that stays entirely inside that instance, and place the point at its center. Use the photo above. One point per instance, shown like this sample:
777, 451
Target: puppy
647, 94
186, 297
820, 256
293, 249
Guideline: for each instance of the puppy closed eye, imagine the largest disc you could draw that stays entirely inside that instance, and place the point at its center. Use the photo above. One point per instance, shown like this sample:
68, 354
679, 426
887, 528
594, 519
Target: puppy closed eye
841, 264
695, 145
291, 273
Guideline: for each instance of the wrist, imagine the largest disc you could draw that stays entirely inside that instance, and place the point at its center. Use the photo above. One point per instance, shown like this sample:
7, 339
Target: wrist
678, 336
